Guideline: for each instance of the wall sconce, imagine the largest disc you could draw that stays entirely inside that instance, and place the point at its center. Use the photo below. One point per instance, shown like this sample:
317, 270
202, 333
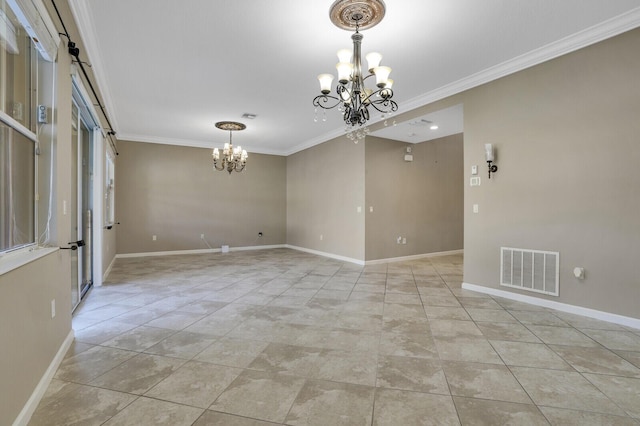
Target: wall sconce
488, 154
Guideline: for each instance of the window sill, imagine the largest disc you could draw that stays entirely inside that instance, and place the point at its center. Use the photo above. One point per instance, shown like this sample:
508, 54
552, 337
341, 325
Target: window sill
11, 261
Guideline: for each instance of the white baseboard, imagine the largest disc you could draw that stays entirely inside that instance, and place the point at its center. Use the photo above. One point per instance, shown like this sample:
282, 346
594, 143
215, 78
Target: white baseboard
108, 271
413, 257
196, 251
248, 248
37, 394
559, 306
289, 246
329, 255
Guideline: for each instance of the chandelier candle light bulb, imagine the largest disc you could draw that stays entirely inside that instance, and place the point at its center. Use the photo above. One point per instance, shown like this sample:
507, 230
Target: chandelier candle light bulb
373, 59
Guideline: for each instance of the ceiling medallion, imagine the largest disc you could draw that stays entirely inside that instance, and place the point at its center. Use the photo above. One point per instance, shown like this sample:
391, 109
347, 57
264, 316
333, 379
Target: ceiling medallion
346, 14
231, 126
232, 158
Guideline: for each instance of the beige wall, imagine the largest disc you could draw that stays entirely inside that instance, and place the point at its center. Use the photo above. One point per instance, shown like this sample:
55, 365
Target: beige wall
174, 193
421, 200
325, 186
30, 337
566, 134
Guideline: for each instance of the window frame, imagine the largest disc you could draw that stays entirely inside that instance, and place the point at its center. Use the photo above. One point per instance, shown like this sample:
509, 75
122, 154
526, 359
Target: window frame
14, 125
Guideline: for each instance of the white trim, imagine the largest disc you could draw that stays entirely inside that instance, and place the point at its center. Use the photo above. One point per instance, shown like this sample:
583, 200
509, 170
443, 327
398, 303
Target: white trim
86, 26
597, 33
413, 257
35, 19
190, 143
109, 268
18, 258
265, 247
37, 394
77, 82
197, 251
579, 40
303, 249
321, 139
17, 126
325, 254
97, 214
559, 306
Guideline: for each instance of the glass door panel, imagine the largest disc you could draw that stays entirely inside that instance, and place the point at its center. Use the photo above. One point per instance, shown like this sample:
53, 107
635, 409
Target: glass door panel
73, 210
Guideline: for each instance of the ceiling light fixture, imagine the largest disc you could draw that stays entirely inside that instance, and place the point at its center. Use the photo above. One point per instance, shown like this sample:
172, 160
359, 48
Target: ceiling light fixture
353, 98
232, 158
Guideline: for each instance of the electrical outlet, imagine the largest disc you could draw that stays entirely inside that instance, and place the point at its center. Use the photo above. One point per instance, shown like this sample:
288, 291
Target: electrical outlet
404, 240
154, 238
259, 234
321, 237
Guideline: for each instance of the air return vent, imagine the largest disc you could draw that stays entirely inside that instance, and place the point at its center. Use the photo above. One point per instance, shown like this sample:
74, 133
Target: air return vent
531, 270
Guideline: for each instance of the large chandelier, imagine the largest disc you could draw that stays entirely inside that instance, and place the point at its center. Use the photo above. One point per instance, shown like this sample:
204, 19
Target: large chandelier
232, 158
353, 98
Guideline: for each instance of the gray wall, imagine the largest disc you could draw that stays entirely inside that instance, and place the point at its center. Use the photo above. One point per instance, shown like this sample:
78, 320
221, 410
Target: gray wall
174, 193
566, 134
30, 337
325, 186
420, 200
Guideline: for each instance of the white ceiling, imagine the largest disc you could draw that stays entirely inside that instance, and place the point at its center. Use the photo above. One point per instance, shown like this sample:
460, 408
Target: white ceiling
168, 70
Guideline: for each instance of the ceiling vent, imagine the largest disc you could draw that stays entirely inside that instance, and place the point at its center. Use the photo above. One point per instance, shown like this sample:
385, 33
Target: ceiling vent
421, 122
249, 116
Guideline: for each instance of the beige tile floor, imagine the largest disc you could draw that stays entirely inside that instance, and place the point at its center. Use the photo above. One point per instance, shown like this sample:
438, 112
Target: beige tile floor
284, 337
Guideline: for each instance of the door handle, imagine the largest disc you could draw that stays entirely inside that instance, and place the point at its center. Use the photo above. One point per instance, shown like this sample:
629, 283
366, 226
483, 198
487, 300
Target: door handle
74, 245
79, 243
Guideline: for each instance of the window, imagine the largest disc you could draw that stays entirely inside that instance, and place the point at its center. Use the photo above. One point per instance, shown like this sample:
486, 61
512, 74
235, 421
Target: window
17, 57
18, 97
109, 192
17, 189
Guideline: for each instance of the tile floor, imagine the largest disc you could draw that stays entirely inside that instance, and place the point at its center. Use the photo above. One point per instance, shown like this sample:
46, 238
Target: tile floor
284, 337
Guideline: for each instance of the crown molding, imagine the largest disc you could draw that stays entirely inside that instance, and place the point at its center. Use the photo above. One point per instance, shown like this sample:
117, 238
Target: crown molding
187, 142
84, 21
597, 33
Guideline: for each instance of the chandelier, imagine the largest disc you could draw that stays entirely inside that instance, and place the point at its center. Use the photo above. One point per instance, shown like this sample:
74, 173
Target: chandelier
232, 158
353, 99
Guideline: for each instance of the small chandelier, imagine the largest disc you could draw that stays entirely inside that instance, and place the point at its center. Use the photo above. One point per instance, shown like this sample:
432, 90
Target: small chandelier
232, 158
353, 98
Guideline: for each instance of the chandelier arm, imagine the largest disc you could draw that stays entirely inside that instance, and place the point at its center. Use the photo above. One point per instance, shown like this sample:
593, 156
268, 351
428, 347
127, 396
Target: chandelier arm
320, 100
222, 166
390, 105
